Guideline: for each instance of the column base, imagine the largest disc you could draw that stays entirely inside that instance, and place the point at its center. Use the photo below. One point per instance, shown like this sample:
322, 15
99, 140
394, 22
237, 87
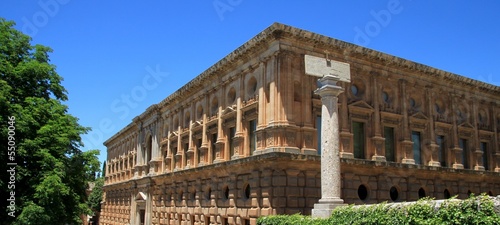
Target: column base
434, 163
408, 161
346, 155
219, 160
479, 168
294, 150
309, 151
325, 209
378, 158
458, 166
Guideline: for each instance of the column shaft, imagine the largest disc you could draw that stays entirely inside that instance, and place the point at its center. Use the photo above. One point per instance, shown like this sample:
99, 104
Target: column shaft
330, 147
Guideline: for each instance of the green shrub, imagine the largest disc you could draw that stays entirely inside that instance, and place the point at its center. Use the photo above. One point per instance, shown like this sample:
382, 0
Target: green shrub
474, 210
295, 219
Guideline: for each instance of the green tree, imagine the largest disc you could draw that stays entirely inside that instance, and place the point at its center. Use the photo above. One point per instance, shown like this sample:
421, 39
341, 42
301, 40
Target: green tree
95, 196
103, 172
52, 172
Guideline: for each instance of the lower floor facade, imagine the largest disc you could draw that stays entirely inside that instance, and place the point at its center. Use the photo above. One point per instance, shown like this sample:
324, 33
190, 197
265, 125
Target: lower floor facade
242, 190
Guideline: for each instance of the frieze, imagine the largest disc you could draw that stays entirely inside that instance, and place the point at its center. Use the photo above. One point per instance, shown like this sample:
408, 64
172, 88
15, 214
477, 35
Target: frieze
360, 116
485, 136
465, 133
250, 112
212, 128
197, 134
418, 126
391, 121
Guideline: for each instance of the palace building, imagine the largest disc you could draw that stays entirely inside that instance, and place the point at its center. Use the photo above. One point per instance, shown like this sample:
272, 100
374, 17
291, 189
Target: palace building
242, 139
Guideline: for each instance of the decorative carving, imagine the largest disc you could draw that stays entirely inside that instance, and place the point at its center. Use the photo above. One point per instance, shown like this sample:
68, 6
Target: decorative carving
290, 137
308, 139
392, 121
269, 140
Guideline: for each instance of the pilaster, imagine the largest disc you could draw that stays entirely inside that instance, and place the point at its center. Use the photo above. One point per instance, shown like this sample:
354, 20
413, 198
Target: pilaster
456, 149
434, 161
406, 144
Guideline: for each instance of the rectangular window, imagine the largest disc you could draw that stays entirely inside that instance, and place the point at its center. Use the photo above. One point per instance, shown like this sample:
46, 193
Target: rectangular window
186, 148
389, 144
415, 137
232, 133
213, 145
440, 141
484, 149
198, 152
207, 220
318, 129
465, 152
174, 153
142, 216
252, 127
358, 130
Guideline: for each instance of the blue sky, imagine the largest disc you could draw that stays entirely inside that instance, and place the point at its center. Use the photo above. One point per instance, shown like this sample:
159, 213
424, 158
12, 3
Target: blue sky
119, 57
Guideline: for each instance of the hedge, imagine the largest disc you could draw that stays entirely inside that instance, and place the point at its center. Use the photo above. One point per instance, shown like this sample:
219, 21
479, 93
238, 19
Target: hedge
474, 210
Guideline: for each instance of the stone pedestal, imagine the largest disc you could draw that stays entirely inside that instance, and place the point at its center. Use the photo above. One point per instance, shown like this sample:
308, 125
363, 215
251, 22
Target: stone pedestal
458, 158
378, 142
330, 147
434, 151
408, 150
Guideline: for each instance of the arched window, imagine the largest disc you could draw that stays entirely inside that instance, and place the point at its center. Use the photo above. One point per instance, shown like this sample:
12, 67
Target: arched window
214, 106
231, 96
251, 87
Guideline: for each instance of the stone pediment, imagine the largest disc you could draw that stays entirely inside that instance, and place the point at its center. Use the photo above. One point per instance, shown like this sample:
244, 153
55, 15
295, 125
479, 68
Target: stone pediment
228, 110
361, 104
361, 108
466, 125
419, 115
141, 197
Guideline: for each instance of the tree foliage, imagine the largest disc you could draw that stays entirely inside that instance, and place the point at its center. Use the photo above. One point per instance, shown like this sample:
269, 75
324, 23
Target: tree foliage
95, 196
52, 172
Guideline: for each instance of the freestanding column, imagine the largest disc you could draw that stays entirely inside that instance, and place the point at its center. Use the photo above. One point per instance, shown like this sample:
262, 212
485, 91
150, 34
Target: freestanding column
330, 156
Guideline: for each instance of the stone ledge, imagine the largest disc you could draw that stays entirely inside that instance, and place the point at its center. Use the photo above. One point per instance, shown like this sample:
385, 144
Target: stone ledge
284, 156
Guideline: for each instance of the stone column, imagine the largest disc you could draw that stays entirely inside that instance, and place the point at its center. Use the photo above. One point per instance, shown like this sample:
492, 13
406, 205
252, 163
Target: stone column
204, 142
330, 145
377, 139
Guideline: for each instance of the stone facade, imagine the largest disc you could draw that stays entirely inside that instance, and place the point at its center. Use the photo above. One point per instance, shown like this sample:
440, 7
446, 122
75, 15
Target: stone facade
240, 140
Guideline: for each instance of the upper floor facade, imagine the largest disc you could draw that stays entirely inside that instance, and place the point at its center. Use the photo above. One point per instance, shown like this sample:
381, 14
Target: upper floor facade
258, 99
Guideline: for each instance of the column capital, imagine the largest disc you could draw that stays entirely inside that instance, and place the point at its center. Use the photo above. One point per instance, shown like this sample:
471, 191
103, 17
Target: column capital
329, 86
